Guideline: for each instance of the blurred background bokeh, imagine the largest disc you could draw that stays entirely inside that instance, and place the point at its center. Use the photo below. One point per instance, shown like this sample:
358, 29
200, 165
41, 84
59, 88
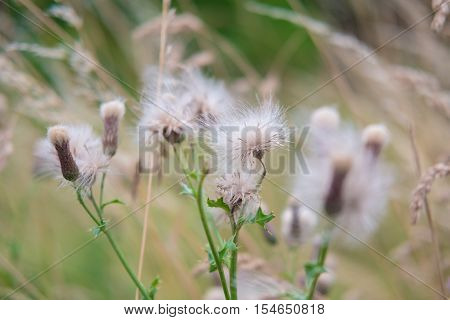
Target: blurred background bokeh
286, 48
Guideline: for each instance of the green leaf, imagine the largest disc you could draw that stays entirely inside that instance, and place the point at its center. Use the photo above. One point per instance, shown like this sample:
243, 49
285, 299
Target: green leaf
260, 218
193, 174
219, 203
313, 270
154, 286
186, 190
114, 201
224, 254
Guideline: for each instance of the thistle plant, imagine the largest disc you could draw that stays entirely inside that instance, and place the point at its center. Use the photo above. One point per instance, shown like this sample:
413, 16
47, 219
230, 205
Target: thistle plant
76, 157
199, 112
347, 182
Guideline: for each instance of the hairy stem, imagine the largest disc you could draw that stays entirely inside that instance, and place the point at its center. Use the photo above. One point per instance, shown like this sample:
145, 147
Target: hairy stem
201, 209
323, 249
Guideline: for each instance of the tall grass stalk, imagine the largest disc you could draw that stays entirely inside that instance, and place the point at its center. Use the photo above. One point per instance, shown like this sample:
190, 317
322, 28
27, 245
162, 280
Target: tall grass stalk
162, 49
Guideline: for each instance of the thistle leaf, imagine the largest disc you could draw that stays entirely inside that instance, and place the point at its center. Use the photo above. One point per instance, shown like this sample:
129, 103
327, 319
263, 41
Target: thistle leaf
219, 203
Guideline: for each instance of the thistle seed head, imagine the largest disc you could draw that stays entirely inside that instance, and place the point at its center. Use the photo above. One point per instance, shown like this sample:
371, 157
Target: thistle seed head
59, 137
111, 112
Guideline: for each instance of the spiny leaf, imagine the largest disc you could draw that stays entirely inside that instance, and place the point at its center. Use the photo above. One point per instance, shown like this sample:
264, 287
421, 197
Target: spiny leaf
260, 218
114, 201
219, 203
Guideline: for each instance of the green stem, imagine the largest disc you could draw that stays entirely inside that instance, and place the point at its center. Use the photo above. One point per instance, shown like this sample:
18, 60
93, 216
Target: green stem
83, 204
201, 209
323, 249
234, 256
126, 266
102, 187
119, 254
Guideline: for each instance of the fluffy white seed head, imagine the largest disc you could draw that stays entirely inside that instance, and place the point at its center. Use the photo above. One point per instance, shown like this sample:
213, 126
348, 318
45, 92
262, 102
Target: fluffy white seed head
325, 118
239, 191
343, 181
84, 148
114, 109
245, 134
297, 223
111, 112
166, 113
206, 97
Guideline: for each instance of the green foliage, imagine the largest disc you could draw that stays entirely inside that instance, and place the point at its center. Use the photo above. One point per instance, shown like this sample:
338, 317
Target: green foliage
219, 203
154, 286
260, 218
227, 248
187, 190
114, 201
312, 270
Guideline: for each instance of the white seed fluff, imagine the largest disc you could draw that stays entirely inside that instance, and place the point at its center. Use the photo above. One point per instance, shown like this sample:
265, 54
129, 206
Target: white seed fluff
86, 150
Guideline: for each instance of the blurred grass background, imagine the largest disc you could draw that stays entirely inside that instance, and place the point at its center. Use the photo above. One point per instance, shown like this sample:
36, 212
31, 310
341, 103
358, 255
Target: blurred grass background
253, 53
